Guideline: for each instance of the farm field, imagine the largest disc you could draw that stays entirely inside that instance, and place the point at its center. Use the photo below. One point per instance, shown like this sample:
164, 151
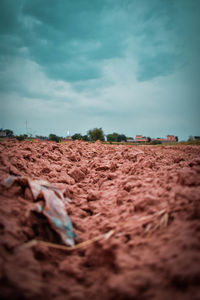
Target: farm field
137, 208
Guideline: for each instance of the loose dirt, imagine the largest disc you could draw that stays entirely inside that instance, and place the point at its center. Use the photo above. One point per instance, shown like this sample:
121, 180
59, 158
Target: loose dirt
139, 207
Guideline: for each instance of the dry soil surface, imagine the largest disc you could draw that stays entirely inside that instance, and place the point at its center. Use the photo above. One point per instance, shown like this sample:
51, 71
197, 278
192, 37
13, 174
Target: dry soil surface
146, 197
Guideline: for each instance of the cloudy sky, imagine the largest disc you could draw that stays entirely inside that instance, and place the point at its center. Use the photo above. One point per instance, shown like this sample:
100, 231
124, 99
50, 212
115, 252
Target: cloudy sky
130, 66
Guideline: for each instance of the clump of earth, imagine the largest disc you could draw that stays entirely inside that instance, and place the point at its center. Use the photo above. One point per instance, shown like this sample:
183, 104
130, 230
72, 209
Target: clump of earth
144, 201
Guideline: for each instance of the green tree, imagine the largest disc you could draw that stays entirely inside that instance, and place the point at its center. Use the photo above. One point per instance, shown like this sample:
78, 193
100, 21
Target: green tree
77, 136
121, 138
54, 137
112, 137
21, 137
9, 133
149, 139
96, 134
85, 137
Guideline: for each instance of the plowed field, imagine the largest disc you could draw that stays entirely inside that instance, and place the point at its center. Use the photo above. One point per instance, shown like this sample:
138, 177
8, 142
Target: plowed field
137, 208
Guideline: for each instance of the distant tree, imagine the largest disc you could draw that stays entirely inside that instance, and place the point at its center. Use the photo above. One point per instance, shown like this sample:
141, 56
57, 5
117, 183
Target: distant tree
96, 134
121, 138
85, 137
112, 137
41, 137
54, 137
9, 133
77, 136
149, 139
176, 137
21, 137
191, 138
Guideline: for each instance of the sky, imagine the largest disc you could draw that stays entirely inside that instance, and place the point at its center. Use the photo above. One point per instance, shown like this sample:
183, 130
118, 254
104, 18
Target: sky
127, 66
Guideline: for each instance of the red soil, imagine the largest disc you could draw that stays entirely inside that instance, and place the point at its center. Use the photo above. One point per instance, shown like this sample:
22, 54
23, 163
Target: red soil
149, 196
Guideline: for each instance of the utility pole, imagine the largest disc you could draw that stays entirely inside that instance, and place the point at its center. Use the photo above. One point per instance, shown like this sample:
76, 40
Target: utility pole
26, 128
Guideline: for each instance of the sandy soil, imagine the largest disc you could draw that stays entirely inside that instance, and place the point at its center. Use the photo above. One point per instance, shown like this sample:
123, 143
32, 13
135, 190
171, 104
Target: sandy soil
149, 196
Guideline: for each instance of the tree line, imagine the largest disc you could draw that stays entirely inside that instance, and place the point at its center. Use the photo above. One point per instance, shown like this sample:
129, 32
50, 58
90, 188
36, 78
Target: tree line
91, 135
98, 134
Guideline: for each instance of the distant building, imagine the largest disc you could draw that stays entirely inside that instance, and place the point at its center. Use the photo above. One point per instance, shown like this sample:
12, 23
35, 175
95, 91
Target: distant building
170, 138
141, 139
2, 133
130, 140
6, 133
144, 139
